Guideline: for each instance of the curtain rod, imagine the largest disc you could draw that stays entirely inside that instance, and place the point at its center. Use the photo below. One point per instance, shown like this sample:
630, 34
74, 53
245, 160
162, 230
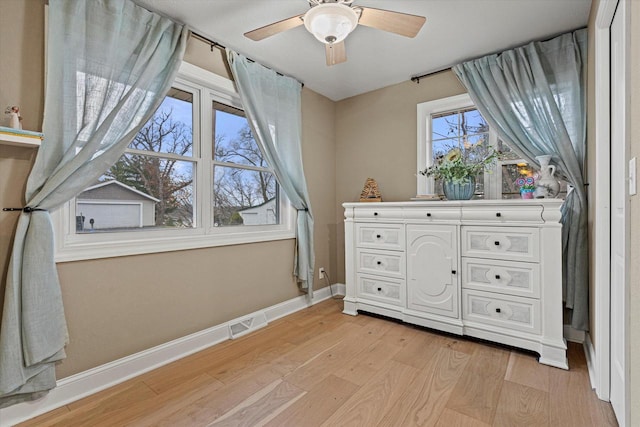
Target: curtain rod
210, 42
416, 79
215, 44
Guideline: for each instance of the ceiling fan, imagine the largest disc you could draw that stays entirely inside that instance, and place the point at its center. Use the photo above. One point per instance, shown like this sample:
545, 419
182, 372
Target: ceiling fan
331, 21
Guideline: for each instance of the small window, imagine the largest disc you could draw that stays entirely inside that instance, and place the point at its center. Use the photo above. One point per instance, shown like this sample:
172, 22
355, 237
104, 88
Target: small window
455, 122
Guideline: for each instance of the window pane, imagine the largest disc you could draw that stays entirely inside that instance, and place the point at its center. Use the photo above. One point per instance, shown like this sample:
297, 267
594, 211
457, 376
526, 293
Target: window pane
505, 151
170, 129
444, 126
137, 193
473, 122
233, 140
440, 148
244, 197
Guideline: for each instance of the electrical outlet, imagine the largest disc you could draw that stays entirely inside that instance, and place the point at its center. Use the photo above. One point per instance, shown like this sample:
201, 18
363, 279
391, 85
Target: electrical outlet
321, 273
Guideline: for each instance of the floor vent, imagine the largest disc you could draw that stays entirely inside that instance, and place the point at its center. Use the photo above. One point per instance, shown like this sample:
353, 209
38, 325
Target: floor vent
246, 325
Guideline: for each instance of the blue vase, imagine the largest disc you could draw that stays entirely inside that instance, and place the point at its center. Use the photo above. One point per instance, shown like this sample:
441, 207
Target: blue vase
464, 191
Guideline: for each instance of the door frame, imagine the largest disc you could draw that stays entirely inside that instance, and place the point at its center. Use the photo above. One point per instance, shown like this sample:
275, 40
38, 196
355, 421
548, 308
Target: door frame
602, 181
600, 353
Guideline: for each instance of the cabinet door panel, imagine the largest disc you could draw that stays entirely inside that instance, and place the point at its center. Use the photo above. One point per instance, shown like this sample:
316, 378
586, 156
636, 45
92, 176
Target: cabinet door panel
432, 282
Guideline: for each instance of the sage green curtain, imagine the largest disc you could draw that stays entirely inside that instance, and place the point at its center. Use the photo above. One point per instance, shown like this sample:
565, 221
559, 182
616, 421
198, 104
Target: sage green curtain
535, 98
109, 65
273, 107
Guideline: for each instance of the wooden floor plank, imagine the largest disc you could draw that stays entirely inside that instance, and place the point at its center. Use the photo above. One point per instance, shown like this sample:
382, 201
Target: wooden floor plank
424, 399
451, 418
258, 409
358, 370
520, 405
477, 391
317, 405
524, 369
572, 402
375, 398
321, 367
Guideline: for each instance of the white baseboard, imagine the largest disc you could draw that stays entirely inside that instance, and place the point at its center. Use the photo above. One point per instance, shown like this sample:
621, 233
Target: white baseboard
85, 383
573, 335
590, 355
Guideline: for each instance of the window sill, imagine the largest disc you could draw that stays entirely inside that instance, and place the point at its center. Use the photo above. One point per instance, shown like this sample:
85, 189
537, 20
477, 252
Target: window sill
78, 247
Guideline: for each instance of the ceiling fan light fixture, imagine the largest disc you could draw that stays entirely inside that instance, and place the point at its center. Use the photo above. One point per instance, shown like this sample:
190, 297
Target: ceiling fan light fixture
330, 22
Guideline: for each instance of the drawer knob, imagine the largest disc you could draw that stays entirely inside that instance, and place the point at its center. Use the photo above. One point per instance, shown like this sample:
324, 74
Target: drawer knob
453, 272
379, 289
428, 213
378, 236
497, 277
379, 262
498, 214
498, 310
497, 243
375, 214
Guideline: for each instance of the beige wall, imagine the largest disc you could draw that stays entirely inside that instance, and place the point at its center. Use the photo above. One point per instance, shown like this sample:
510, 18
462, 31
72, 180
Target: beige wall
376, 138
119, 306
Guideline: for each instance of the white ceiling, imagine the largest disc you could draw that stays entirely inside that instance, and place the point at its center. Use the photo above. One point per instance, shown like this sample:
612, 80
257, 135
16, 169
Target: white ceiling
455, 30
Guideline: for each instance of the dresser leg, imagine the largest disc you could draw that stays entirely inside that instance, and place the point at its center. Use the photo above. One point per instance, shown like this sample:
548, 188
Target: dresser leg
350, 307
553, 355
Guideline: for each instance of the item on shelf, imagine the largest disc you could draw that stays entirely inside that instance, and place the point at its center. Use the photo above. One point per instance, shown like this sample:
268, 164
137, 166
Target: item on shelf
464, 190
527, 186
370, 192
546, 186
14, 117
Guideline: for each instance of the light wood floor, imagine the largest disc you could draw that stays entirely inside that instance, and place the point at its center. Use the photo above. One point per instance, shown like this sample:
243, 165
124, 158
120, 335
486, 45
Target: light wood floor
321, 367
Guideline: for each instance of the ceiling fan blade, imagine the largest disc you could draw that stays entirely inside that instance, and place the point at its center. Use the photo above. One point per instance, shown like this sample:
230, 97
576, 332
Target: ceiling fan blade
275, 28
336, 53
394, 22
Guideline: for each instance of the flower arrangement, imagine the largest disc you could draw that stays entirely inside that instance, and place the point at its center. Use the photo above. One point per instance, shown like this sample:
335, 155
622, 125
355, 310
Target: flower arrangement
526, 183
458, 165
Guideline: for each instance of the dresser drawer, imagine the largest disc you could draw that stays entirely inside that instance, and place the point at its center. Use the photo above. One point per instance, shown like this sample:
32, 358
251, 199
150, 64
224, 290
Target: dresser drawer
509, 243
510, 312
503, 214
381, 289
505, 277
387, 263
377, 213
383, 236
432, 214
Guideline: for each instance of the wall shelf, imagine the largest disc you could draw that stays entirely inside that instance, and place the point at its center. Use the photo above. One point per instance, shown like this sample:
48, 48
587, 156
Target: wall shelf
19, 137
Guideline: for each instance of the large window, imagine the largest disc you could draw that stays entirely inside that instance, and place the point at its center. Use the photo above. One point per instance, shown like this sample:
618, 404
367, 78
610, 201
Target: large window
192, 177
455, 122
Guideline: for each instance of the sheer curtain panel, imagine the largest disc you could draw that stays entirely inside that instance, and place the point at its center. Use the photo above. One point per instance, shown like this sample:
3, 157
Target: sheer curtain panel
535, 98
273, 107
109, 65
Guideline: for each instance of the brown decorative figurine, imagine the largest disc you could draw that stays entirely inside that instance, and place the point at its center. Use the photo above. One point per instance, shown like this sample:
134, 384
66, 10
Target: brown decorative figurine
370, 193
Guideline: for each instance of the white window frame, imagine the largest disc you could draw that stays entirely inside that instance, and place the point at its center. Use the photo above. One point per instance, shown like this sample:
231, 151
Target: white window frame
207, 87
426, 185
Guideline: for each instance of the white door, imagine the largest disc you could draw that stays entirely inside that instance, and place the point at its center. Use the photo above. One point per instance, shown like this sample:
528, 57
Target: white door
432, 277
619, 287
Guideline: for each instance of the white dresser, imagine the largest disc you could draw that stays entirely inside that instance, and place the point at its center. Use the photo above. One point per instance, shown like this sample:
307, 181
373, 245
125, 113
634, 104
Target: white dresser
491, 269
